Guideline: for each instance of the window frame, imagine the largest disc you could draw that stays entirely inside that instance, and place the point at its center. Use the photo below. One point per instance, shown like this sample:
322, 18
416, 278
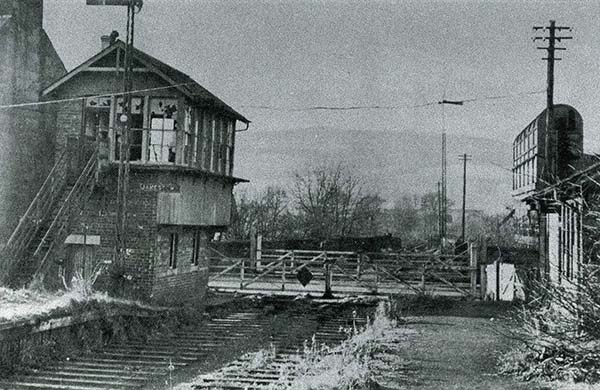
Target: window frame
96, 110
195, 259
176, 130
173, 248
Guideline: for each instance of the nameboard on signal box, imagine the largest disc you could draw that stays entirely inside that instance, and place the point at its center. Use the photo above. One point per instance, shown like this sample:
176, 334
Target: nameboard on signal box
159, 187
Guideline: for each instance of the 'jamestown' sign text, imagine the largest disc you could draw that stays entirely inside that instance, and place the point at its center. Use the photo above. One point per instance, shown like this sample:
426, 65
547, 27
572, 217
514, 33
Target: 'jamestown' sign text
157, 187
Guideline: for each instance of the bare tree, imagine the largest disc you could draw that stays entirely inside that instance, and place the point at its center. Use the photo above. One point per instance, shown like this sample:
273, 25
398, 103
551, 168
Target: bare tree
430, 216
405, 216
272, 214
267, 212
368, 216
241, 217
331, 203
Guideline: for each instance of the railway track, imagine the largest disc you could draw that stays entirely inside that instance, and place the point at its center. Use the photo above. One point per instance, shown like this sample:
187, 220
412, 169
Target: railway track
244, 374
133, 364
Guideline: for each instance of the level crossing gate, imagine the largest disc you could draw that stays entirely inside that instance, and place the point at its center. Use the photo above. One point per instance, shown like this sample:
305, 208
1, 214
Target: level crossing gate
288, 271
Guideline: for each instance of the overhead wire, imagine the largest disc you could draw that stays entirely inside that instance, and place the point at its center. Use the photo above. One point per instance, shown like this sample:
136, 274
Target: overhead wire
275, 108
384, 107
71, 99
333, 108
272, 108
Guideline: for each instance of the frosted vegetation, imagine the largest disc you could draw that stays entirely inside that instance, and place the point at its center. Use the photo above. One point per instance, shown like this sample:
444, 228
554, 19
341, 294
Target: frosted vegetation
559, 334
35, 301
368, 358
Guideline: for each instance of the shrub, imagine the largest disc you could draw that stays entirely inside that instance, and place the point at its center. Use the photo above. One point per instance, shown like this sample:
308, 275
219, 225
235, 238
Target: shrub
82, 283
560, 333
351, 364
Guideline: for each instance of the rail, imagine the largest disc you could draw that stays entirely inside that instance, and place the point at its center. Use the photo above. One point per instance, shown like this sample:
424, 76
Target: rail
39, 209
55, 234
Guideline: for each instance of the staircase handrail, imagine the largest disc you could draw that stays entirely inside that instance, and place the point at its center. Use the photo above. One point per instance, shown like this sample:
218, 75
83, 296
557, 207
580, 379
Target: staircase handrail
29, 223
81, 184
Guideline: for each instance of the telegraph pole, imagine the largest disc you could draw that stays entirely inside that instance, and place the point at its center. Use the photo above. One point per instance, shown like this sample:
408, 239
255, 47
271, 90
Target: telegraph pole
549, 169
133, 7
444, 191
464, 158
444, 208
439, 191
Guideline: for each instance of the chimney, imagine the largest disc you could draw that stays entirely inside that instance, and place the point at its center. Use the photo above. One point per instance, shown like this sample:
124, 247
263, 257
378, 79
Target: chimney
104, 41
27, 13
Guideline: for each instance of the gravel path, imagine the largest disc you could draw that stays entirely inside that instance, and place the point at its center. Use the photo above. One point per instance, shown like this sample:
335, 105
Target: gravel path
454, 353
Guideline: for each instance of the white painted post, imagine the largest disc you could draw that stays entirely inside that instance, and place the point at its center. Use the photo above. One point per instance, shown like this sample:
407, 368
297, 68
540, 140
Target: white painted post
473, 253
553, 229
258, 250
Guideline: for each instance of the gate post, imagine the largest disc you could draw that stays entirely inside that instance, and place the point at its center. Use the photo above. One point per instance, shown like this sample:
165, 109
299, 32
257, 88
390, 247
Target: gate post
482, 281
258, 251
242, 275
473, 254
253, 248
376, 276
283, 275
328, 294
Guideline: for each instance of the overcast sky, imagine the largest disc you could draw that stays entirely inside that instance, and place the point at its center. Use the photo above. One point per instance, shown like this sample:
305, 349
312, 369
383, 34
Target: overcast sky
293, 54
342, 53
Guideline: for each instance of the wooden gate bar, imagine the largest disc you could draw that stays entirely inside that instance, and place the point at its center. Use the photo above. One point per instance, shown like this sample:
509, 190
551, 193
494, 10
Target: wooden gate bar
268, 269
226, 270
400, 271
394, 277
308, 262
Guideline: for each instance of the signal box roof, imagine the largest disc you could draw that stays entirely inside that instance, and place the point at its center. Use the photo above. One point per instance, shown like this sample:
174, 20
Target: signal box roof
179, 80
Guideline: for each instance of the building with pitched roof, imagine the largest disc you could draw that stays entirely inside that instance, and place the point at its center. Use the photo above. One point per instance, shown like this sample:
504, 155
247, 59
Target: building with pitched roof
179, 194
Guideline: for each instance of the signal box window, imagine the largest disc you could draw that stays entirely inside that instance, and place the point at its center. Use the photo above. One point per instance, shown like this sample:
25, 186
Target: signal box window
163, 132
136, 130
97, 116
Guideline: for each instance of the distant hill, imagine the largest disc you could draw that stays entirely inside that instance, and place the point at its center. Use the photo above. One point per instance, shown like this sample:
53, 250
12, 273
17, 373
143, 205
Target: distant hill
392, 163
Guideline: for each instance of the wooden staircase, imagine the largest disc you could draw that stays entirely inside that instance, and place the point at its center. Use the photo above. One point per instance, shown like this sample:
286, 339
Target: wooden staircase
58, 230
44, 226
28, 266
